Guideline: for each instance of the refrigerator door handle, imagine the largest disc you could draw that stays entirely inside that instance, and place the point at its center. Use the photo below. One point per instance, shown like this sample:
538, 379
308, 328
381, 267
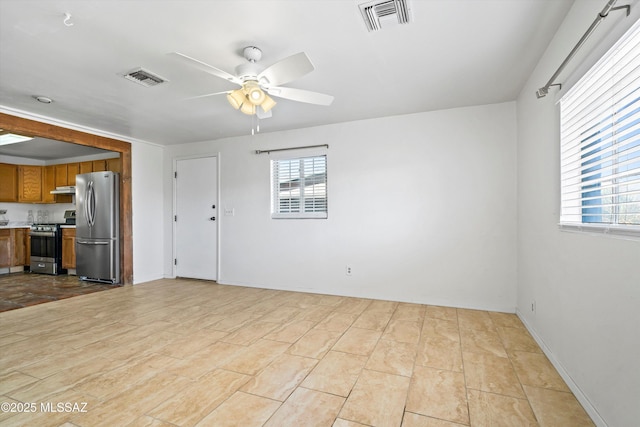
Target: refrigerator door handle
90, 205
84, 242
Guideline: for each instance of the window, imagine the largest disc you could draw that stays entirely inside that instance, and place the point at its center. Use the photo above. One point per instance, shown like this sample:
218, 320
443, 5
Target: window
600, 142
299, 187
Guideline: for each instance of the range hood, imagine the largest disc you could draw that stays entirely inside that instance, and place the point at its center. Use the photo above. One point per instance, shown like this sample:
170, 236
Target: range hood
69, 189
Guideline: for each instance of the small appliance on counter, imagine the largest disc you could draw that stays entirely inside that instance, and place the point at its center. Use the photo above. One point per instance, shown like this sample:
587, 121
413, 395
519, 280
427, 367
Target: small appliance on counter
70, 217
3, 220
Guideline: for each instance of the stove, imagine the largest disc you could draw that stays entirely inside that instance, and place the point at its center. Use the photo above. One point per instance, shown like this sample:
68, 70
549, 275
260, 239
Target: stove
46, 249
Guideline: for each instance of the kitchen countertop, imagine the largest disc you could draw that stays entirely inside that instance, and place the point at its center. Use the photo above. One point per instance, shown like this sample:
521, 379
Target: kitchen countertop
16, 224
68, 226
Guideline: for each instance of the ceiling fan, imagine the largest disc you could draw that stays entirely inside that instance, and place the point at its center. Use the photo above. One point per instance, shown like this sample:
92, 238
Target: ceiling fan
257, 84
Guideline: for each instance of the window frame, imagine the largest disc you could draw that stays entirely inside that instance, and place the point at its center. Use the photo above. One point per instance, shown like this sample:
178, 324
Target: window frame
576, 217
275, 199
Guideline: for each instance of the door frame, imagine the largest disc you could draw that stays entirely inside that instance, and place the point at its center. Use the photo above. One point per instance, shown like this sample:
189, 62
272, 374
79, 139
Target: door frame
174, 267
34, 128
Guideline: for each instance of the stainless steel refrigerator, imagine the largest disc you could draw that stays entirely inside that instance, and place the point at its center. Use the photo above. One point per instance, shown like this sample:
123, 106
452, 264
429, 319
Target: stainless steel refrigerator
98, 227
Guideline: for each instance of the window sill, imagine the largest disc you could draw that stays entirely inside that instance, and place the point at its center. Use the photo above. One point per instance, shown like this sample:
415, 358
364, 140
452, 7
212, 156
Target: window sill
630, 232
317, 215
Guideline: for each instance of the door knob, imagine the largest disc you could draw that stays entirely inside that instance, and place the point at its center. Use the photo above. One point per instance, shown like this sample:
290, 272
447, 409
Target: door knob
213, 218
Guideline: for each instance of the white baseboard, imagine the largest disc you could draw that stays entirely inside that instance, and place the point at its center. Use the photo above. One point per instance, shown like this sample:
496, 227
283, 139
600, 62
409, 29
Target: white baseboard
582, 398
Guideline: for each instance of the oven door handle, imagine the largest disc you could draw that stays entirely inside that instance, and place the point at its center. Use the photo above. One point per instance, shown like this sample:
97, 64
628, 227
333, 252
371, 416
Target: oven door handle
42, 233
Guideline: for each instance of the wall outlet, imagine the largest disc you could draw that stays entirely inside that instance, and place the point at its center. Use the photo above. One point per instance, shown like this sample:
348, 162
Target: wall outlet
348, 270
229, 211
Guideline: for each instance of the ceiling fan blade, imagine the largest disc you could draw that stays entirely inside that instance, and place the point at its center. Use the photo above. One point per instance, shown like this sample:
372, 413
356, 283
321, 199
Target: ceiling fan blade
209, 94
286, 70
203, 66
301, 95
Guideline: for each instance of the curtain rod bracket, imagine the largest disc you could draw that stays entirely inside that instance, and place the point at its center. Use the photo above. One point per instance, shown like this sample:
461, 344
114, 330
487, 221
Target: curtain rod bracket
544, 90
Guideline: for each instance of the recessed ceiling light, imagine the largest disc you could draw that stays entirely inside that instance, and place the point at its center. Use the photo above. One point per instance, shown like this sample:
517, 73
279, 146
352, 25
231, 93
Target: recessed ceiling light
11, 138
43, 99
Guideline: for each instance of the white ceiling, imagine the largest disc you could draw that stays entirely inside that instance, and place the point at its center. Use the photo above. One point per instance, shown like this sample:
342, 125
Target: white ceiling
455, 53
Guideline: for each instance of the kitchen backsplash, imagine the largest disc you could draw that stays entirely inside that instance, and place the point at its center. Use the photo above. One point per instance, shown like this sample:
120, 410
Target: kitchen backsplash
18, 212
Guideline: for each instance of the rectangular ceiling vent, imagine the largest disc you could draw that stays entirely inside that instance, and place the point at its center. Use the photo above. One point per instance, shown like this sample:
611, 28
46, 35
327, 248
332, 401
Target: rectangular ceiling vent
144, 77
380, 14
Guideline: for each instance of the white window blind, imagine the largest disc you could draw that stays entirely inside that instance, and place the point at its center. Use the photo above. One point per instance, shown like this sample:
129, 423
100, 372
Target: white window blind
600, 141
299, 187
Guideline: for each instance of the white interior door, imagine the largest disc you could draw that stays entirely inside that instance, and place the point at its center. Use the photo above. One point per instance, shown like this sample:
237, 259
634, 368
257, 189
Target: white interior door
196, 218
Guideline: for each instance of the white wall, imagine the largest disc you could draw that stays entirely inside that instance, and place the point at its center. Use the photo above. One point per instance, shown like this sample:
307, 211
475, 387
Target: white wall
586, 287
422, 207
147, 194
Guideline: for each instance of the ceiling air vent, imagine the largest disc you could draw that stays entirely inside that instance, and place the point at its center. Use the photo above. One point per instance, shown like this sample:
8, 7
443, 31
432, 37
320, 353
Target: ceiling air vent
385, 13
144, 77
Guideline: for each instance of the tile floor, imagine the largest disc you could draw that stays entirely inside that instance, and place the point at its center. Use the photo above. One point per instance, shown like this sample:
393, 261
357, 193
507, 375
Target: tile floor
18, 290
187, 352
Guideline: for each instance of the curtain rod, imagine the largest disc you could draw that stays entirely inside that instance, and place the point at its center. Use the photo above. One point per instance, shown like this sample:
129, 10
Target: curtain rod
544, 90
290, 148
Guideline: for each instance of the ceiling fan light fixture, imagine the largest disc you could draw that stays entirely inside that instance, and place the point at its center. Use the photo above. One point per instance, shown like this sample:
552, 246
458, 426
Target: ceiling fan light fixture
236, 98
248, 108
255, 95
267, 104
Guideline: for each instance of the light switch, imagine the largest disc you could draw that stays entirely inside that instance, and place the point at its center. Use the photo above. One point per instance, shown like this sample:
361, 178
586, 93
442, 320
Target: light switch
229, 211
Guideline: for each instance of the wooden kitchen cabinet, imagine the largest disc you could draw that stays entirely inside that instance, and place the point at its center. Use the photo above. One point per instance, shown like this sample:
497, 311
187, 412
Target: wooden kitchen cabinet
48, 184
61, 175
9, 183
5, 248
99, 165
85, 167
14, 244
73, 169
30, 184
68, 248
113, 165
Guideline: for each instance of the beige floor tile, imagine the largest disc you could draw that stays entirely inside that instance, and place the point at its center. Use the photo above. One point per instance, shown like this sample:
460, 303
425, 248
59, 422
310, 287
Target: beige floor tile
146, 421
352, 305
438, 328
374, 320
416, 420
339, 422
252, 359
506, 320
439, 353
206, 360
197, 400
393, 358
366, 404
556, 408
282, 314
251, 332
337, 322
382, 306
290, 332
518, 339
314, 313
439, 394
495, 410
336, 373
281, 377
139, 399
308, 408
490, 373
124, 377
357, 341
316, 343
15, 380
403, 331
482, 341
234, 321
443, 313
233, 412
475, 319
534, 369
184, 346
409, 312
